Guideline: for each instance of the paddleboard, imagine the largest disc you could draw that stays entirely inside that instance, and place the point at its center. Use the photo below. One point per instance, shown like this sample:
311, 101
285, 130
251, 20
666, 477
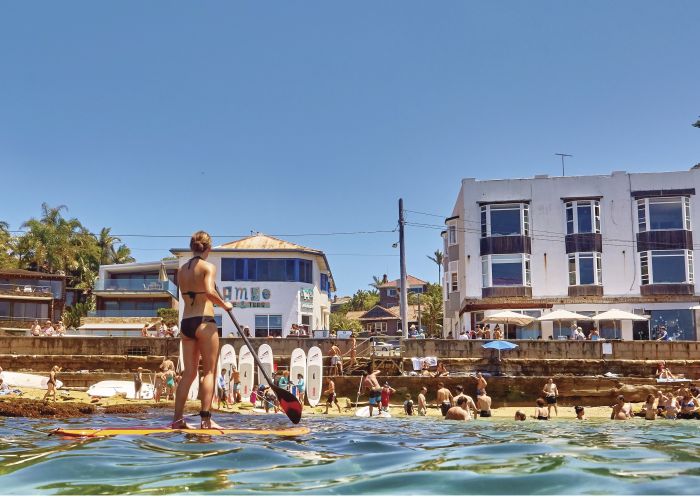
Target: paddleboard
297, 365
110, 432
245, 368
27, 380
314, 380
363, 412
267, 359
672, 380
194, 388
257, 410
110, 388
227, 358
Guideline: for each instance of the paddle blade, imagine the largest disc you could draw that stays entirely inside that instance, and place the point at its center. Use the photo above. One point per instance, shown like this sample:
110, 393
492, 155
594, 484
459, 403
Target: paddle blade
289, 404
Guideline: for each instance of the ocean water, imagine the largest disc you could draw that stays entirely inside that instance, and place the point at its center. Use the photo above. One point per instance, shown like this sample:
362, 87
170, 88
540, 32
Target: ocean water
356, 456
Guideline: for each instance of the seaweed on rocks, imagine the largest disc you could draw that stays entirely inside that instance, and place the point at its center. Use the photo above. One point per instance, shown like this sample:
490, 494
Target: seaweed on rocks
27, 408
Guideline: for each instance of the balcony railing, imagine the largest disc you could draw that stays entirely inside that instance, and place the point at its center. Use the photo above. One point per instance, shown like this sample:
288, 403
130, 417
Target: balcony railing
25, 290
119, 313
137, 285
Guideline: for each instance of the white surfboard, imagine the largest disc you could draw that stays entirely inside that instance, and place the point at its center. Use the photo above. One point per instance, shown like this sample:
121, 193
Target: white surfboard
267, 360
297, 365
28, 380
245, 368
194, 389
314, 378
109, 388
363, 412
227, 361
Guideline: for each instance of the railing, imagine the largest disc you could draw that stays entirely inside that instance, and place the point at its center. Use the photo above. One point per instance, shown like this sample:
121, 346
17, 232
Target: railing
120, 313
26, 290
28, 320
136, 285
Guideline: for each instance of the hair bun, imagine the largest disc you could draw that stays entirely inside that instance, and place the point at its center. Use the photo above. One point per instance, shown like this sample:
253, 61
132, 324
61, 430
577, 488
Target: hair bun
200, 241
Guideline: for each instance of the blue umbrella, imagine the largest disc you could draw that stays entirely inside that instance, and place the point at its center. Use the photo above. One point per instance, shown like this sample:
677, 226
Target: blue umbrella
500, 345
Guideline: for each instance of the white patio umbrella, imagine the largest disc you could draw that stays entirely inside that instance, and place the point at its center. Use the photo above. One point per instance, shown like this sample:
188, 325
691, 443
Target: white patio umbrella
618, 315
509, 317
563, 315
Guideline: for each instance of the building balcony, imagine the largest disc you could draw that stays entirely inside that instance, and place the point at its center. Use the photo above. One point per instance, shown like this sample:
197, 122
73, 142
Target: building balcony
667, 289
25, 292
516, 244
664, 240
120, 313
506, 291
135, 287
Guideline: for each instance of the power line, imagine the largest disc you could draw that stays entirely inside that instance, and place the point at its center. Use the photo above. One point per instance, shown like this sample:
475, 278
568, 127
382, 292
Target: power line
140, 235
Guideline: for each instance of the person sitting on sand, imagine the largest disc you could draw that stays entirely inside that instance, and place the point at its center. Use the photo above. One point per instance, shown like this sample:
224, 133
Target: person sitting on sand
444, 398
51, 384
520, 415
622, 410
662, 372
422, 402
580, 412
408, 405
483, 403
458, 412
541, 411
649, 409
332, 396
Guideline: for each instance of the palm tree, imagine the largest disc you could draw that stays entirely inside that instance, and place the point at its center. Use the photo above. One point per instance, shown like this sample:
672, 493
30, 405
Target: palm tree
105, 242
377, 282
438, 259
7, 258
122, 255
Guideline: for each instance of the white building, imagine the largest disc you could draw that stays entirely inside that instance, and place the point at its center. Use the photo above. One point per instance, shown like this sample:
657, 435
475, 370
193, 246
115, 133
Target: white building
585, 243
272, 285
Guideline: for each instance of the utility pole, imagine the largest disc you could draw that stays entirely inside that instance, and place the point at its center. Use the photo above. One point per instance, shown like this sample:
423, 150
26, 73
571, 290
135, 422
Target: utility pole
420, 321
404, 287
562, 162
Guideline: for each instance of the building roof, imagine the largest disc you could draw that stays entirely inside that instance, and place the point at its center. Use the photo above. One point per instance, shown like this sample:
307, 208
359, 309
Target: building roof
379, 313
260, 241
411, 280
25, 272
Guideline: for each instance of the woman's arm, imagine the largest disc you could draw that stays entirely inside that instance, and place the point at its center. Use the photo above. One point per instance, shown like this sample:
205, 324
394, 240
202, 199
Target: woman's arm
212, 293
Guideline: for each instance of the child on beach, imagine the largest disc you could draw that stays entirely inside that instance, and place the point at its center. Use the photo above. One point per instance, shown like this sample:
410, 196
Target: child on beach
386, 396
408, 405
221, 388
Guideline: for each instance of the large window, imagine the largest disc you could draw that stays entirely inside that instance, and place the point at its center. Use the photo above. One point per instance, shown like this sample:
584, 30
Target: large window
31, 310
453, 267
663, 213
376, 327
505, 220
452, 235
666, 266
268, 325
585, 268
582, 216
678, 323
266, 270
505, 270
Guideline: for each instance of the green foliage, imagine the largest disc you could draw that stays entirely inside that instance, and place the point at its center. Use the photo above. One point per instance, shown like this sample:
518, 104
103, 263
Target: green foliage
342, 322
432, 309
438, 258
71, 316
168, 315
363, 300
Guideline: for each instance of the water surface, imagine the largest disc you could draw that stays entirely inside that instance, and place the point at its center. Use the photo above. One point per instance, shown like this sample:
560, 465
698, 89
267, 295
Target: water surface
356, 456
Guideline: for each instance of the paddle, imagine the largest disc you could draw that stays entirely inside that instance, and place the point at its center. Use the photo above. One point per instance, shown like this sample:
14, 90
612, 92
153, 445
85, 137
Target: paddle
288, 401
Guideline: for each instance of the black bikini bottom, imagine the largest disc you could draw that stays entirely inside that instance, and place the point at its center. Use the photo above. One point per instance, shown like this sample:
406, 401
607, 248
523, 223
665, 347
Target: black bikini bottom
188, 326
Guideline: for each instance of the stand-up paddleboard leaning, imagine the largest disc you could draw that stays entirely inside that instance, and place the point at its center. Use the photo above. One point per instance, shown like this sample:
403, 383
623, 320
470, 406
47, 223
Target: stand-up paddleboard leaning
198, 331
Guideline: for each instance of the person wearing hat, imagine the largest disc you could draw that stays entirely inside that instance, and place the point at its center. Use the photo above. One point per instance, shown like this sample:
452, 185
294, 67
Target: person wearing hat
386, 396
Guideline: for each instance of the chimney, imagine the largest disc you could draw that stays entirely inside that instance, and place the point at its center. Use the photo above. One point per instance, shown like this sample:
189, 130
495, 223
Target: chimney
385, 280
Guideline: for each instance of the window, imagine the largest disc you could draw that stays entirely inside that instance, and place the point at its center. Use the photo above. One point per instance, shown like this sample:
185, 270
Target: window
391, 292
453, 267
4, 309
666, 266
582, 216
452, 235
306, 323
505, 220
505, 270
376, 327
268, 325
326, 284
678, 323
663, 213
585, 268
300, 270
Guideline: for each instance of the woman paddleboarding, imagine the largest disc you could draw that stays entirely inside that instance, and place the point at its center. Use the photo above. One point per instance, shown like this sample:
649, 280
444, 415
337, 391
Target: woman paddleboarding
198, 329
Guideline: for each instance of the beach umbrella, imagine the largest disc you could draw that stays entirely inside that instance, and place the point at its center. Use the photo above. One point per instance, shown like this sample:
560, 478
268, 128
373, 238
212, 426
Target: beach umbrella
618, 315
162, 274
509, 317
500, 345
563, 315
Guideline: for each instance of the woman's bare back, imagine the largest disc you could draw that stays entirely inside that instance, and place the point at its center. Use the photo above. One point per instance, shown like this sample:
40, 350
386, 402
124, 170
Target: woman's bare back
192, 280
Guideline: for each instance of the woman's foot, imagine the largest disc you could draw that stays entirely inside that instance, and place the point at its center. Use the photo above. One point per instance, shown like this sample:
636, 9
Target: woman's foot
181, 425
207, 423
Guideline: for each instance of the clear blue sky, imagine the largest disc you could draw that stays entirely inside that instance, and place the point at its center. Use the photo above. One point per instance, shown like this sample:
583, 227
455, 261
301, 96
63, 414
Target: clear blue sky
314, 117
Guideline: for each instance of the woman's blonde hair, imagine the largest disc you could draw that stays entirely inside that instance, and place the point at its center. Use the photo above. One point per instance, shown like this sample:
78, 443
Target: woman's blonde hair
200, 241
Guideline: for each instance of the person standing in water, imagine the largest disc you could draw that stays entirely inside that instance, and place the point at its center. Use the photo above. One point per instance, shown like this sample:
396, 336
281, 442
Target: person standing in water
422, 402
198, 331
332, 397
550, 394
375, 391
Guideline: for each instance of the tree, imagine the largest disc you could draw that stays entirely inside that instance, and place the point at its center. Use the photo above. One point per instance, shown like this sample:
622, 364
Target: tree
363, 300
432, 309
122, 255
105, 242
697, 123
7, 259
438, 258
377, 282
342, 322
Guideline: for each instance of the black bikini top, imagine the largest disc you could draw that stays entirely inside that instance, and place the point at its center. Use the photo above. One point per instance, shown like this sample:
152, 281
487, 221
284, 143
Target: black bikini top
192, 295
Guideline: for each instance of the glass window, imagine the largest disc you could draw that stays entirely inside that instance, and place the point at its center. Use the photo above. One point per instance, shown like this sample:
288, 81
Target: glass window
485, 276
452, 231
506, 270
664, 213
644, 267
668, 266
454, 283
570, 228
261, 326
4, 309
679, 324
484, 226
582, 216
505, 220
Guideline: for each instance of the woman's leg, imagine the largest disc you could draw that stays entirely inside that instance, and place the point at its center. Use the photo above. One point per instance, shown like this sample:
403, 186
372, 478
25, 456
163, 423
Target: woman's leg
190, 359
208, 341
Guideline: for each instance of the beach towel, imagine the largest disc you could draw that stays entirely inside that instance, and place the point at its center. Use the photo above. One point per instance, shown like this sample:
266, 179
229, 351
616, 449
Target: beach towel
418, 362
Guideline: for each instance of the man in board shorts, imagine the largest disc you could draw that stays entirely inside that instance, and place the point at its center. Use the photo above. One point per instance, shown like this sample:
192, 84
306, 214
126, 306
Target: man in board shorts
235, 384
336, 359
332, 397
550, 395
375, 391
444, 398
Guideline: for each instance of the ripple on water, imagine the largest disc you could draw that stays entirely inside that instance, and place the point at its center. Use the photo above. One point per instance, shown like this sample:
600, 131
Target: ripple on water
352, 456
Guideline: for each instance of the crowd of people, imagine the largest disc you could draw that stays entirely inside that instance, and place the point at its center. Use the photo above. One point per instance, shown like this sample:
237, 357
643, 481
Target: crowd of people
486, 333
48, 329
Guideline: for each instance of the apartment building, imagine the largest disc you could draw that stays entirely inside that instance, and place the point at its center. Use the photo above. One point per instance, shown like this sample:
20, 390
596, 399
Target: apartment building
584, 243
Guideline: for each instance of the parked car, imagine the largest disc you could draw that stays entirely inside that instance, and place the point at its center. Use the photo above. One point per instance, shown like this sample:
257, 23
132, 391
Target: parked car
385, 349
